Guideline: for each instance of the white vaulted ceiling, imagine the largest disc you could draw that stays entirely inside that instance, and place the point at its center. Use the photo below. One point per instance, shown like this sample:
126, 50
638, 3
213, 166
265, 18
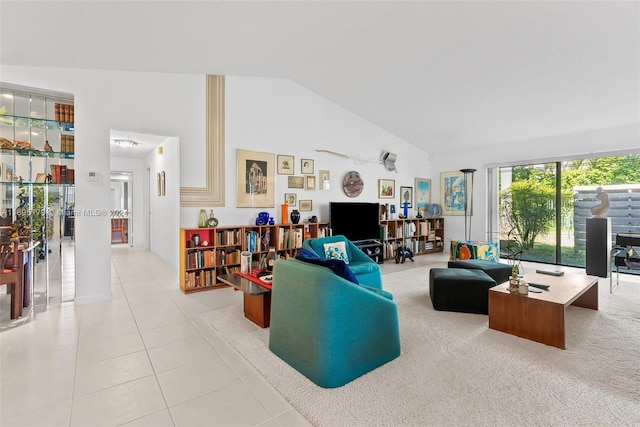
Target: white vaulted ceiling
441, 75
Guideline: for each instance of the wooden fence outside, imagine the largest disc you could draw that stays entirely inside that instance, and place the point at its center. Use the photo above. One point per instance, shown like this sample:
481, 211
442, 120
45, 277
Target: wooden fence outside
624, 210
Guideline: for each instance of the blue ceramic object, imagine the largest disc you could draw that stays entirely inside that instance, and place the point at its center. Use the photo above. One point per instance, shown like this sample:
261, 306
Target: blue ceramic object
263, 218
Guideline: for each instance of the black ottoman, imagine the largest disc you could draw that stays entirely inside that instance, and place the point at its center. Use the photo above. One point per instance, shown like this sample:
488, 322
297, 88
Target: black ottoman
458, 289
498, 272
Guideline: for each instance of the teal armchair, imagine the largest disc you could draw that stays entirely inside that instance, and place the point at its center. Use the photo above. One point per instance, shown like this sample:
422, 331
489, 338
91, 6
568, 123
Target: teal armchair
330, 329
365, 269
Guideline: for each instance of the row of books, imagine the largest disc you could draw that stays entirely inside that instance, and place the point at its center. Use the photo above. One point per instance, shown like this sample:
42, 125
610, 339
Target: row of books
228, 237
416, 245
67, 143
200, 259
286, 239
258, 242
200, 279
63, 112
61, 174
212, 258
408, 231
289, 238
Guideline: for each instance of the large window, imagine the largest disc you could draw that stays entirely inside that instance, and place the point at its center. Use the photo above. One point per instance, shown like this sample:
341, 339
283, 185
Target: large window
547, 204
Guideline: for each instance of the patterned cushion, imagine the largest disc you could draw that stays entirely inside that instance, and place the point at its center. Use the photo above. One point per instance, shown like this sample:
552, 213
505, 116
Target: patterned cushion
336, 250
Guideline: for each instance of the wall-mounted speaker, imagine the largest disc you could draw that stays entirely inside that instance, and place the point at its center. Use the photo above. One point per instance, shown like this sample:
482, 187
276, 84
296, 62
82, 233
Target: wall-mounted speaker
389, 161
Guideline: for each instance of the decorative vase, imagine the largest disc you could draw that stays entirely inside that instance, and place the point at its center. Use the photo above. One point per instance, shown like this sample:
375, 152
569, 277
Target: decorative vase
295, 216
212, 222
267, 261
405, 209
284, 213
203, 221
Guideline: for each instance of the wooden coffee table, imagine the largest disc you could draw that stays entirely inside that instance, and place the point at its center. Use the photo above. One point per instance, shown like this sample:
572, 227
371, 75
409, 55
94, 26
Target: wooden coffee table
257, 299
540, 316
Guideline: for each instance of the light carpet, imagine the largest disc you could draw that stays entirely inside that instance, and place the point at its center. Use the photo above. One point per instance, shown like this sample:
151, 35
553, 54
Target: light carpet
453, 370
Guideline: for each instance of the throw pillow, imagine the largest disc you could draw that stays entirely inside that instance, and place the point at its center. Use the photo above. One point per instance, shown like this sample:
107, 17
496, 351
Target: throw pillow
338, 267
336, 250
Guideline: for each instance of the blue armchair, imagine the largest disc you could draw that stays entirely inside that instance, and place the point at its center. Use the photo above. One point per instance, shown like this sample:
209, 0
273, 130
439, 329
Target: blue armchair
330, 329
365, 269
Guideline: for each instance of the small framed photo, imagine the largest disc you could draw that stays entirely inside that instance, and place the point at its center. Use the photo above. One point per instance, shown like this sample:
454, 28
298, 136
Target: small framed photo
310, 182
290, 198
285, 165
306, 205
295, 182
325, 179
386, 188
406, 195
306, 166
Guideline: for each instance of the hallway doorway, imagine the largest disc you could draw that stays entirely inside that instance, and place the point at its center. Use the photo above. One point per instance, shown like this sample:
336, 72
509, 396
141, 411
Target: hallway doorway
121, 207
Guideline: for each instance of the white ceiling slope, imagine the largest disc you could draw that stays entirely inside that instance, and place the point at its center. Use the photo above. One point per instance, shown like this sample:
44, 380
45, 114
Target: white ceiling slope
442, 75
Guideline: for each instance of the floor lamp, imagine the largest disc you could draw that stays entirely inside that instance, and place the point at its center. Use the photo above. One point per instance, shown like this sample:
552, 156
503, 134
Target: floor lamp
467, 172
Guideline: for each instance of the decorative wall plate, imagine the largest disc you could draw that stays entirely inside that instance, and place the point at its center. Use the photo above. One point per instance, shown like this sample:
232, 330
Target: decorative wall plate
434, 210
352, 184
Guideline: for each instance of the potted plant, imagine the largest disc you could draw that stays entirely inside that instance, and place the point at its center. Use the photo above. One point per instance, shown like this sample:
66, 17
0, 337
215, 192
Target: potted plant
33, 218
514, 239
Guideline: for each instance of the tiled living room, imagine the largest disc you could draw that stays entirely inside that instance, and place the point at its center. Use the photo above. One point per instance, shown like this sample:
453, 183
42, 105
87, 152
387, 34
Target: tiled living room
368, 100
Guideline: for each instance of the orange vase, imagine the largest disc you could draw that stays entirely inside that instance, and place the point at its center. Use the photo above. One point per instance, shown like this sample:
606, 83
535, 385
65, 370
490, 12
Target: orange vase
284, 212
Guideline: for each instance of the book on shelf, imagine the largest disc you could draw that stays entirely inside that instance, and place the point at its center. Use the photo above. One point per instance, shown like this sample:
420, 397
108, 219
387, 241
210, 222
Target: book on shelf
281, 238
253, 241
424, 228
298, 238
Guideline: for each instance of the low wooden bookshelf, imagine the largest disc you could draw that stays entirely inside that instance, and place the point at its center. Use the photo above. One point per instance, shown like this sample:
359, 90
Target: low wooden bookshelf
216, 251
421, 235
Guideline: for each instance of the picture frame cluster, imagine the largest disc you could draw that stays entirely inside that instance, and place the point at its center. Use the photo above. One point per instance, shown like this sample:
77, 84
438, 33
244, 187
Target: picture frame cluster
256, 179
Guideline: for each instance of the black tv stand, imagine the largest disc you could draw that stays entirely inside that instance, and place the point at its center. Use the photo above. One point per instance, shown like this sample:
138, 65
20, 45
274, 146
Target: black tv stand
373, 248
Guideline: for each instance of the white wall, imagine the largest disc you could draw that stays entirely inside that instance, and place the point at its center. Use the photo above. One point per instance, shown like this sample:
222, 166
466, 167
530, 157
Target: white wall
596, 143
165, 210
281, 117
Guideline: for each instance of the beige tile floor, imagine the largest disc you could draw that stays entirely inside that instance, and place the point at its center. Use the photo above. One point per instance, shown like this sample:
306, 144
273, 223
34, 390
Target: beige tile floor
144, 358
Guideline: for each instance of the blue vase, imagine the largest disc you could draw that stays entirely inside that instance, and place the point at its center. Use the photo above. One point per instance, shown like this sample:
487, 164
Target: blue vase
405, 207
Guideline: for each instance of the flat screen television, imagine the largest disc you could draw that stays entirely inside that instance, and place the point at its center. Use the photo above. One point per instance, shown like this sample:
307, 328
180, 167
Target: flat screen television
356, 221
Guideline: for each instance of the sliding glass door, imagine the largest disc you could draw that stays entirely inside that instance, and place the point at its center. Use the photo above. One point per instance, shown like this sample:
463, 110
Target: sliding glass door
546, 205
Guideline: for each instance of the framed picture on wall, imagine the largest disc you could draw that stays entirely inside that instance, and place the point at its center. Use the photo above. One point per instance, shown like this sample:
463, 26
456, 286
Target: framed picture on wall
386, 188
306, 205
325, 179
306, 166
256, 178
422, 191
310, 182
452, 193
290, 198
406, 195
285, 165
295, 182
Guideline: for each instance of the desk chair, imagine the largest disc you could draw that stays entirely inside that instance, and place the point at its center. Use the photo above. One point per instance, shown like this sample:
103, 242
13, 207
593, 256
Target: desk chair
117, 225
